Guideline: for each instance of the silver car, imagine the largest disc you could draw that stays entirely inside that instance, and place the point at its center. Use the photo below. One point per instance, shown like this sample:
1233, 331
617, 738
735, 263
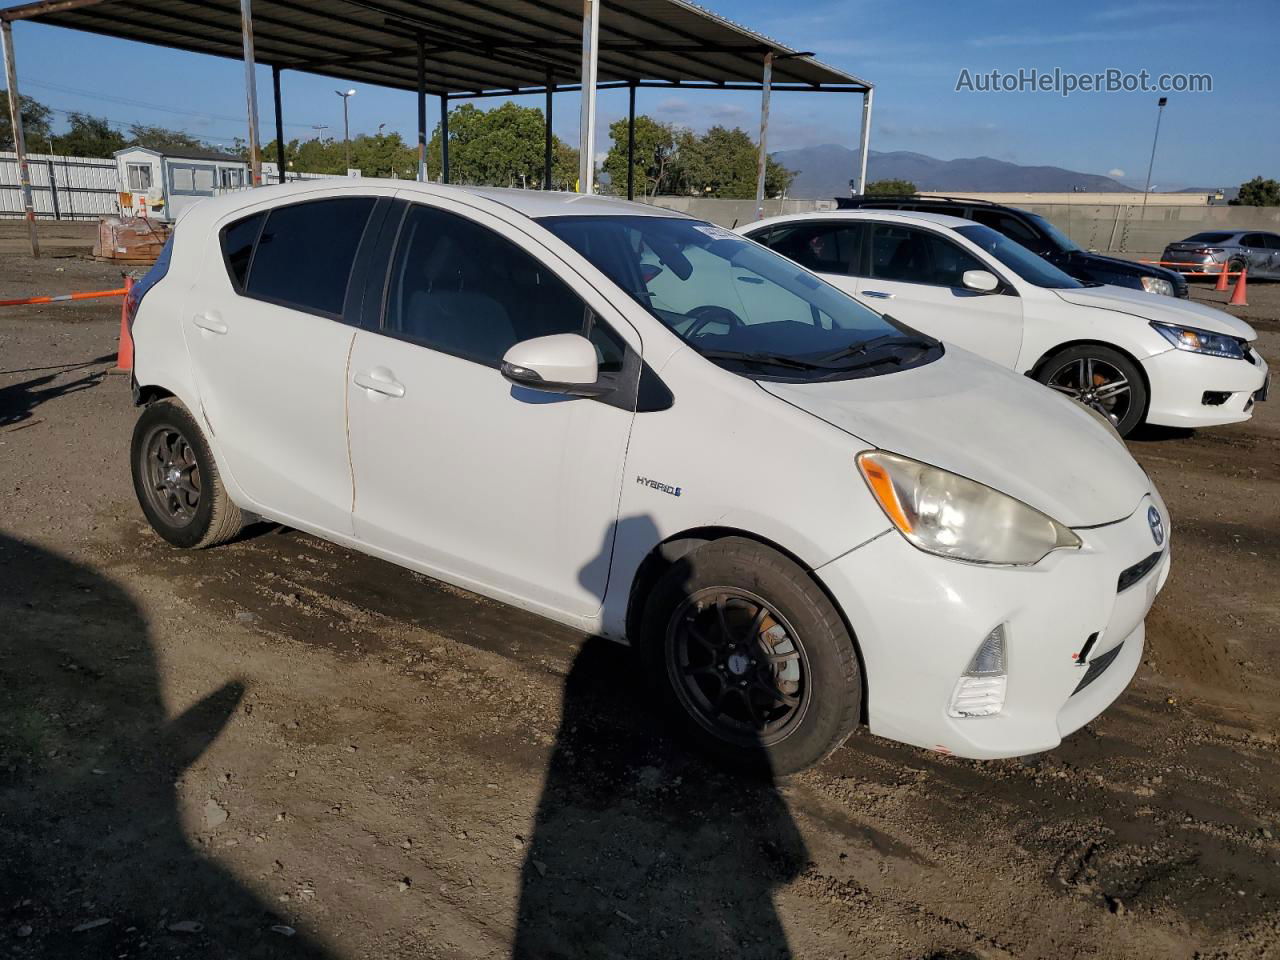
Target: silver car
1206, 252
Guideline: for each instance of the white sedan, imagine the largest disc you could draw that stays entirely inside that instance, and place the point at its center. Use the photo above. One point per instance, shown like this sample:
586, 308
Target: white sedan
1133, 356
804, 514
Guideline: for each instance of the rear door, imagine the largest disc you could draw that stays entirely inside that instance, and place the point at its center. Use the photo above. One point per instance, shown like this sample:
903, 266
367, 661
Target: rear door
489, 485
914, 274
268, 338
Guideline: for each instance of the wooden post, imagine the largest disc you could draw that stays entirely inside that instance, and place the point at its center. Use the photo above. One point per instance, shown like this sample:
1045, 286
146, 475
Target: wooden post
19, 139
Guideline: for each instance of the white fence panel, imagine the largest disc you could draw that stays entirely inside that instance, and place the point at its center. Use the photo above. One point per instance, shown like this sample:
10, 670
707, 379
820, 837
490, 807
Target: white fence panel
63, 188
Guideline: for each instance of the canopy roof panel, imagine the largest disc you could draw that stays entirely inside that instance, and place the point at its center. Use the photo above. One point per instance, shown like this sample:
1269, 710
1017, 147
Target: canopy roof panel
472, 47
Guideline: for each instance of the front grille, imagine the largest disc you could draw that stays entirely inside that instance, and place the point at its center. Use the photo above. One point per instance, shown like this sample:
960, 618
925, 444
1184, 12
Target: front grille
1097, 666
1131, 575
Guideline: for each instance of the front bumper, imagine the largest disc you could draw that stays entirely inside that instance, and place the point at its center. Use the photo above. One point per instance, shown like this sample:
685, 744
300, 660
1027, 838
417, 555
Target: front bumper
919, 618
1179, 381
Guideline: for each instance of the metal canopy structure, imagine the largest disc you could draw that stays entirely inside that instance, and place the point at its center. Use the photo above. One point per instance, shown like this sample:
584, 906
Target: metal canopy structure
464, 49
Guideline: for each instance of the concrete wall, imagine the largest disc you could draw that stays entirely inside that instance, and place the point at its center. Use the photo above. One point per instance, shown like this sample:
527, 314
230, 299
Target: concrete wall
1015, 199
1107, 228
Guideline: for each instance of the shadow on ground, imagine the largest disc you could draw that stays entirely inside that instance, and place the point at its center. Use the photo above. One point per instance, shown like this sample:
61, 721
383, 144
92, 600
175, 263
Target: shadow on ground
94, 860
18, 400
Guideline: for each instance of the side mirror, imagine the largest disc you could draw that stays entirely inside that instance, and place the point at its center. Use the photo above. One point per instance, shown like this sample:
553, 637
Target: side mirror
980, 280
562, 363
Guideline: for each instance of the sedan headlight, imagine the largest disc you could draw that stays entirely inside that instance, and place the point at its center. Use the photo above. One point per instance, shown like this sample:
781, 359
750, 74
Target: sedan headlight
1157, 285
1200, 341
952, 516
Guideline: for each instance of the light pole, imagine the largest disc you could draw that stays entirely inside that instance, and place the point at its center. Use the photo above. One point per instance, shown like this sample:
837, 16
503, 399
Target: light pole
1159, 113
346, 126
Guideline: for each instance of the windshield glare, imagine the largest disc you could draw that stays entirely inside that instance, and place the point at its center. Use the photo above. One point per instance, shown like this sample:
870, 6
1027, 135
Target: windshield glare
724, 294
1018, 258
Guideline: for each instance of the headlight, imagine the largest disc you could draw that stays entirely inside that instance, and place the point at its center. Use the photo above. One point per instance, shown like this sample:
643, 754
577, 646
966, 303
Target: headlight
1200, 341
952, 516
1157, 285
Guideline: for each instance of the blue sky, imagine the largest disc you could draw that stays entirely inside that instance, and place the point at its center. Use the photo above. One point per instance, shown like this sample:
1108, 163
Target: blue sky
912, 52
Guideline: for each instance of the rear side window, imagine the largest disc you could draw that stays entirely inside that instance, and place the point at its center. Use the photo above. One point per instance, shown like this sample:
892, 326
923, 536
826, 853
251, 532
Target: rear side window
918, 256
1208, 238
305, 252
462, 289
1011, 227
1255, 240
820, 247
237, 247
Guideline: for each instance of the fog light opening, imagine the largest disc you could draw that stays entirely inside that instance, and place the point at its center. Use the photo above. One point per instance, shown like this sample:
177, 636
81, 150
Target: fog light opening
981, 688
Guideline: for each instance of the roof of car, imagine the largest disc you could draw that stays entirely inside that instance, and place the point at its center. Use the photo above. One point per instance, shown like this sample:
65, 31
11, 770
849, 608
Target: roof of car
903, 216
530, 203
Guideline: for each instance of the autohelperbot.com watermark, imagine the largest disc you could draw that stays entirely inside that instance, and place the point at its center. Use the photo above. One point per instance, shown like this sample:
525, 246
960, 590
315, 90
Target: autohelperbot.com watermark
1066, 82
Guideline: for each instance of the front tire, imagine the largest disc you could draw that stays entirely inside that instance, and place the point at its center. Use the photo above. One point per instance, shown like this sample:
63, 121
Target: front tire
752, 657
1101, 378
177, 481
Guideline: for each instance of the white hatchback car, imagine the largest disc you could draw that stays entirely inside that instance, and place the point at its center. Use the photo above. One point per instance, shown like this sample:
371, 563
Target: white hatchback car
803, 513
1133, 356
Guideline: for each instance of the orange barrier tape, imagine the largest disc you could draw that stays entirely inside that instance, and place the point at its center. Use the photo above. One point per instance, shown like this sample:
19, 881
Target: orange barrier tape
1193, 273
63, 297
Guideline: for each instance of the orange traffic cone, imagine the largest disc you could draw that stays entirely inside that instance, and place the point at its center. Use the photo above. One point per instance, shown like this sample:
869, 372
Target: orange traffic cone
1240, 296
1222, 277
124, 357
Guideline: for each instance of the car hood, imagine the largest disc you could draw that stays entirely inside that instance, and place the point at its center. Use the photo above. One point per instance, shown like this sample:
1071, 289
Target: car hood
1153, 306
989, 424
1119, 265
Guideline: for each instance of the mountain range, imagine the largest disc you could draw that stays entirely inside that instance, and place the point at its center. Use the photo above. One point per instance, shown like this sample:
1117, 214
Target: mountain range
823, 172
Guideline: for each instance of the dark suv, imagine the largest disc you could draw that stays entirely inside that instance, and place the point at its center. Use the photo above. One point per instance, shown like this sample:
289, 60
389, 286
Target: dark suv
1038, 235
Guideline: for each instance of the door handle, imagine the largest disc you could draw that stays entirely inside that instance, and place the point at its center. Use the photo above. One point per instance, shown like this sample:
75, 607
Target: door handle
210, 322
878, 294
380, 380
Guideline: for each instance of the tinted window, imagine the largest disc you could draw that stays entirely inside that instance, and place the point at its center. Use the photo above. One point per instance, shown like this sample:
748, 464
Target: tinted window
1273, 241
305, 253
1255, 240
1010, 226
821, 247
1209, 237
462, 289
237, 247
918, 256
1018, 258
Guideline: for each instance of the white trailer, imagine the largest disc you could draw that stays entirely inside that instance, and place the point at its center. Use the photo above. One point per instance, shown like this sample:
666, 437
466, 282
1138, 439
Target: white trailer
160, 185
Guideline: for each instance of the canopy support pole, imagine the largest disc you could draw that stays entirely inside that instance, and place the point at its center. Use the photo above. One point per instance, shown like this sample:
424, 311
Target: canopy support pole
867, 99
444, 138
762, 162
631, 142
251, 91
19, 138
548, 158
590, 69
275, 90
422, 110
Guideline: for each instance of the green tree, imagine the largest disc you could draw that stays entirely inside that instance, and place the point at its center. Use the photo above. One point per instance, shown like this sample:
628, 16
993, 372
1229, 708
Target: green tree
1258, 193
502, 147
89, 136
723, 163
655, 155
162, 138
36, 119
891, 188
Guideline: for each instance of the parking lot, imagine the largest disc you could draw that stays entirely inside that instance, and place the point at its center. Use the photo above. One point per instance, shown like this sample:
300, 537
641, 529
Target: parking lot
281, 747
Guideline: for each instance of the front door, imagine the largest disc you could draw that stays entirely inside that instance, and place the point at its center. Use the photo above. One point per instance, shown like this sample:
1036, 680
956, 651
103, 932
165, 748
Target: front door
495, 487
914, 274
268, 344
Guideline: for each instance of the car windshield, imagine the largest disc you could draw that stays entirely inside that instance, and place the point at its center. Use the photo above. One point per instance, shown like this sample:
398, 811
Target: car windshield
1018, 258
1060, 239
740, 305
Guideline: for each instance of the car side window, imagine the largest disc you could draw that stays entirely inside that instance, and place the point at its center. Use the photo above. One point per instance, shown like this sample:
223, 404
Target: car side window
911, 255
1255, 240
820, 247
238, 240
305, 252
1273, 241
462, 289
1011, 227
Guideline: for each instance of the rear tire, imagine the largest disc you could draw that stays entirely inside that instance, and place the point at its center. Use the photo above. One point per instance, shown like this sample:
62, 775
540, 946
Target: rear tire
177, 481
751, 657
1102, 378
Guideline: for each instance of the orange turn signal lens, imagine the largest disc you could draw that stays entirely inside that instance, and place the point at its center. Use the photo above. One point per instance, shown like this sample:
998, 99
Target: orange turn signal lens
881, 485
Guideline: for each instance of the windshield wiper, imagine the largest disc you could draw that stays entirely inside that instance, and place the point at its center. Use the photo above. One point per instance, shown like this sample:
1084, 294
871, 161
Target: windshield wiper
889, 339
771, 359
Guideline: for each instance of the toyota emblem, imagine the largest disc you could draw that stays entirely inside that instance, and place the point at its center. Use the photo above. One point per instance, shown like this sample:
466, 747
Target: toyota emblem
1156, 524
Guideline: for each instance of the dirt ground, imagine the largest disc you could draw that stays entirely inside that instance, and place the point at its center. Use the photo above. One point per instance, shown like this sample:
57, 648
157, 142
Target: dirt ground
282, 748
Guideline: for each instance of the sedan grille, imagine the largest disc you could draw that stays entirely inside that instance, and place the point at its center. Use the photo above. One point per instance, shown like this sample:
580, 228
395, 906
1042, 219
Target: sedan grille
1097, 666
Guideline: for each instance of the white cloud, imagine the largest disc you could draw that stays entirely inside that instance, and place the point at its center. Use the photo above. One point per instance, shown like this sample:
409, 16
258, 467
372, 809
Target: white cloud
1116, 172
